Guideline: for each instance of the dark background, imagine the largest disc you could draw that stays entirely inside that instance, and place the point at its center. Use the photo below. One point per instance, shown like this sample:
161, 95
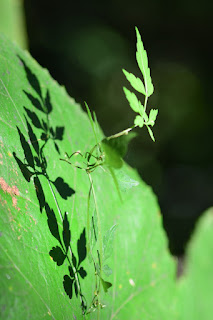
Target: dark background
85, 44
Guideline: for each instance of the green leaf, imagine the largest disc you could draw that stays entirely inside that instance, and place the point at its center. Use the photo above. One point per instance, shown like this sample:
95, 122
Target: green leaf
91, 122
152, 117
120, 144
32, 284
139, 121
133, 100
12, 21
105, 284
142, 60
112, 157
135, 82
145, 117
196, 283
151, 133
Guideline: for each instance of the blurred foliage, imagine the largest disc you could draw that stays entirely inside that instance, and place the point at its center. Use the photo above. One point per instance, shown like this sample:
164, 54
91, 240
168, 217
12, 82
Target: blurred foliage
195, 286
85, 46
12, 21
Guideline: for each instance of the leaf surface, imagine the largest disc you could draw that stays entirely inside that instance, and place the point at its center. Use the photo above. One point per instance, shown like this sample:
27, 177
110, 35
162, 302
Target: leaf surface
142, 60
36, 188
196, 283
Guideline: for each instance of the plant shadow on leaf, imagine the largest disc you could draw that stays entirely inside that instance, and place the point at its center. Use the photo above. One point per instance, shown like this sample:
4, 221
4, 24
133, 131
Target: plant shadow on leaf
44, 105
34, 165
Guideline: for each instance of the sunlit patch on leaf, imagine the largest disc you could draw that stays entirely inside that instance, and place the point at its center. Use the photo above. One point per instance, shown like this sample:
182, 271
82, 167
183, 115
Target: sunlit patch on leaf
108, 242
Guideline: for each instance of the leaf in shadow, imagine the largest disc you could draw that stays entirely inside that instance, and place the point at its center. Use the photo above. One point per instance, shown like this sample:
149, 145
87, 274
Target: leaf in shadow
67, 283
31, 78
82, 272
39, 193
72, 275
45, 126
105, 284
34, 118
81, 246
63, 188
27, 174
66, 232
38, 162
59, 132
57, 254
52, 132
35, 102
44, 136
112, 157
52, 222
76, 288
57, 148
47, 102
33, 138
27, 150
74, 260
120, 144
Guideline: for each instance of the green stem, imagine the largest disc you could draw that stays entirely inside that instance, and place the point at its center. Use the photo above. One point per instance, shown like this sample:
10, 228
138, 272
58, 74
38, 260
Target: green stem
99, 238
119, 134
145, 103
99, 222
88, 220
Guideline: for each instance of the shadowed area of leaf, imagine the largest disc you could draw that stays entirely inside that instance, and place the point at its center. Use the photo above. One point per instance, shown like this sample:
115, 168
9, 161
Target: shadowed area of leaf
34, 118
63, 188
120, 144
52, 222
35, 101
67, 283
31, 77
27, 150
33, 138
105, 284
81, 246
27, 174
66, 232
57, 254
39, 193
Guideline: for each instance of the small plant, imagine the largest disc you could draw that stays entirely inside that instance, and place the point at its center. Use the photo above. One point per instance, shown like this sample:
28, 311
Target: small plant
107, 154
55, 259
145, 88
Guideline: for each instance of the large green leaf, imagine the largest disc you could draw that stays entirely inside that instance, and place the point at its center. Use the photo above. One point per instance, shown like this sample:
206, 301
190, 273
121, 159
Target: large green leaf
39, 123
196, 285
12, 21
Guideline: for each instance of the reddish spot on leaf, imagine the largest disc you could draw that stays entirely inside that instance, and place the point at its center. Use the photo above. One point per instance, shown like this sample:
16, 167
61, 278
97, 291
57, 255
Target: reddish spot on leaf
13, 191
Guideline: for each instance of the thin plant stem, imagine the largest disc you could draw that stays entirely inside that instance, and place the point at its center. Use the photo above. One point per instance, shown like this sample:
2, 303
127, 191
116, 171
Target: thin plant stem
99, 238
